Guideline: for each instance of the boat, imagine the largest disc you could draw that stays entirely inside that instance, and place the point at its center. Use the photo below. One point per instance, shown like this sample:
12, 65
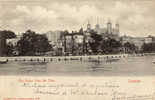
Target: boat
33, 63
112, 60
3, 60
94, 60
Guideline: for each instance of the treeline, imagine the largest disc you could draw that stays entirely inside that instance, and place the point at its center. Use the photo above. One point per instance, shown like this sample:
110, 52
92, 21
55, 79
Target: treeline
100, 45
148, 48
29, 44
4, 48
32, 43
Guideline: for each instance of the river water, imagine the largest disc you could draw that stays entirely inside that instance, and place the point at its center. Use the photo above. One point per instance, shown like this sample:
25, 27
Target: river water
131, 66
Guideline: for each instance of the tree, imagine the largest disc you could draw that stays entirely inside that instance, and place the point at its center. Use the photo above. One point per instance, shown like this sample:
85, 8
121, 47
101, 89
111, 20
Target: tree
130, 48
32, 43
8, 34
95, 44
148, 47
110, 46
41, 44
5, 48
9, 49
81, 31
63, 33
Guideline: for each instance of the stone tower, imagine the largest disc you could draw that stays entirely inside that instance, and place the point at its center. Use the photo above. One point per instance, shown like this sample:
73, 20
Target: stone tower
88, 26
97, 28
117, 29
109, 27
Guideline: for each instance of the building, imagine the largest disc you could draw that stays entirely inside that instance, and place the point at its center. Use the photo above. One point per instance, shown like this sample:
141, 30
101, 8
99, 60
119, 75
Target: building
78, 43
116, 29
97, 29
125, 39
2, 45
148, 40
74, 43
152, 38
13, 41
53, 37
88, 27
68, 44
109, 29
137, 41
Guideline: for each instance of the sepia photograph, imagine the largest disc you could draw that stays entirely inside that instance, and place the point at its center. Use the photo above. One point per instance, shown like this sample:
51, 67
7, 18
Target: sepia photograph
76, 37
77, 49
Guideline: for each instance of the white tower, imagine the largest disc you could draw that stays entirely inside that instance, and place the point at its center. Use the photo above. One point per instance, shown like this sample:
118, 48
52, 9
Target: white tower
97, 27
109, 27
88, 26
117, 28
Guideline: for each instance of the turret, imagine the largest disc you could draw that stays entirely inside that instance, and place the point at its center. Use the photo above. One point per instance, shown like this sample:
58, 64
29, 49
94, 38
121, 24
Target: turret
88, 26
109, 27
117, 28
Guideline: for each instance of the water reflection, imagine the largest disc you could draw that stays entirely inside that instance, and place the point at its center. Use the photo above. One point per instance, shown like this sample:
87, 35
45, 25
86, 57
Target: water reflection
102, 67
30, 67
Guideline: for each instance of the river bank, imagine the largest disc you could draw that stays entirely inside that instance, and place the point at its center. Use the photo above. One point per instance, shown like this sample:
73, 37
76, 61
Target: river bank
88, 66
66, 58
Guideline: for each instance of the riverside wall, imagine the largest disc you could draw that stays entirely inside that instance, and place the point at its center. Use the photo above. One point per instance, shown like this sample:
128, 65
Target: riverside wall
69, 58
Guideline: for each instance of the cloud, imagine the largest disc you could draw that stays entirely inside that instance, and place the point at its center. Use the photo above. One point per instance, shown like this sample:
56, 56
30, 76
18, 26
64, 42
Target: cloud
131, 16
41, 19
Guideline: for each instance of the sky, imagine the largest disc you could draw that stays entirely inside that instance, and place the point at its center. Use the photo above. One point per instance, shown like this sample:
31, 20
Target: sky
135, 17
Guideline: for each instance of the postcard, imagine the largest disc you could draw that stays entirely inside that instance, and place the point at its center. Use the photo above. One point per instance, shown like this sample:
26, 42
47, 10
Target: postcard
77, 50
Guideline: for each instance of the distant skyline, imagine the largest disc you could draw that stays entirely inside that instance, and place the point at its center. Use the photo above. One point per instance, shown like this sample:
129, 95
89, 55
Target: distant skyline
136, 17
